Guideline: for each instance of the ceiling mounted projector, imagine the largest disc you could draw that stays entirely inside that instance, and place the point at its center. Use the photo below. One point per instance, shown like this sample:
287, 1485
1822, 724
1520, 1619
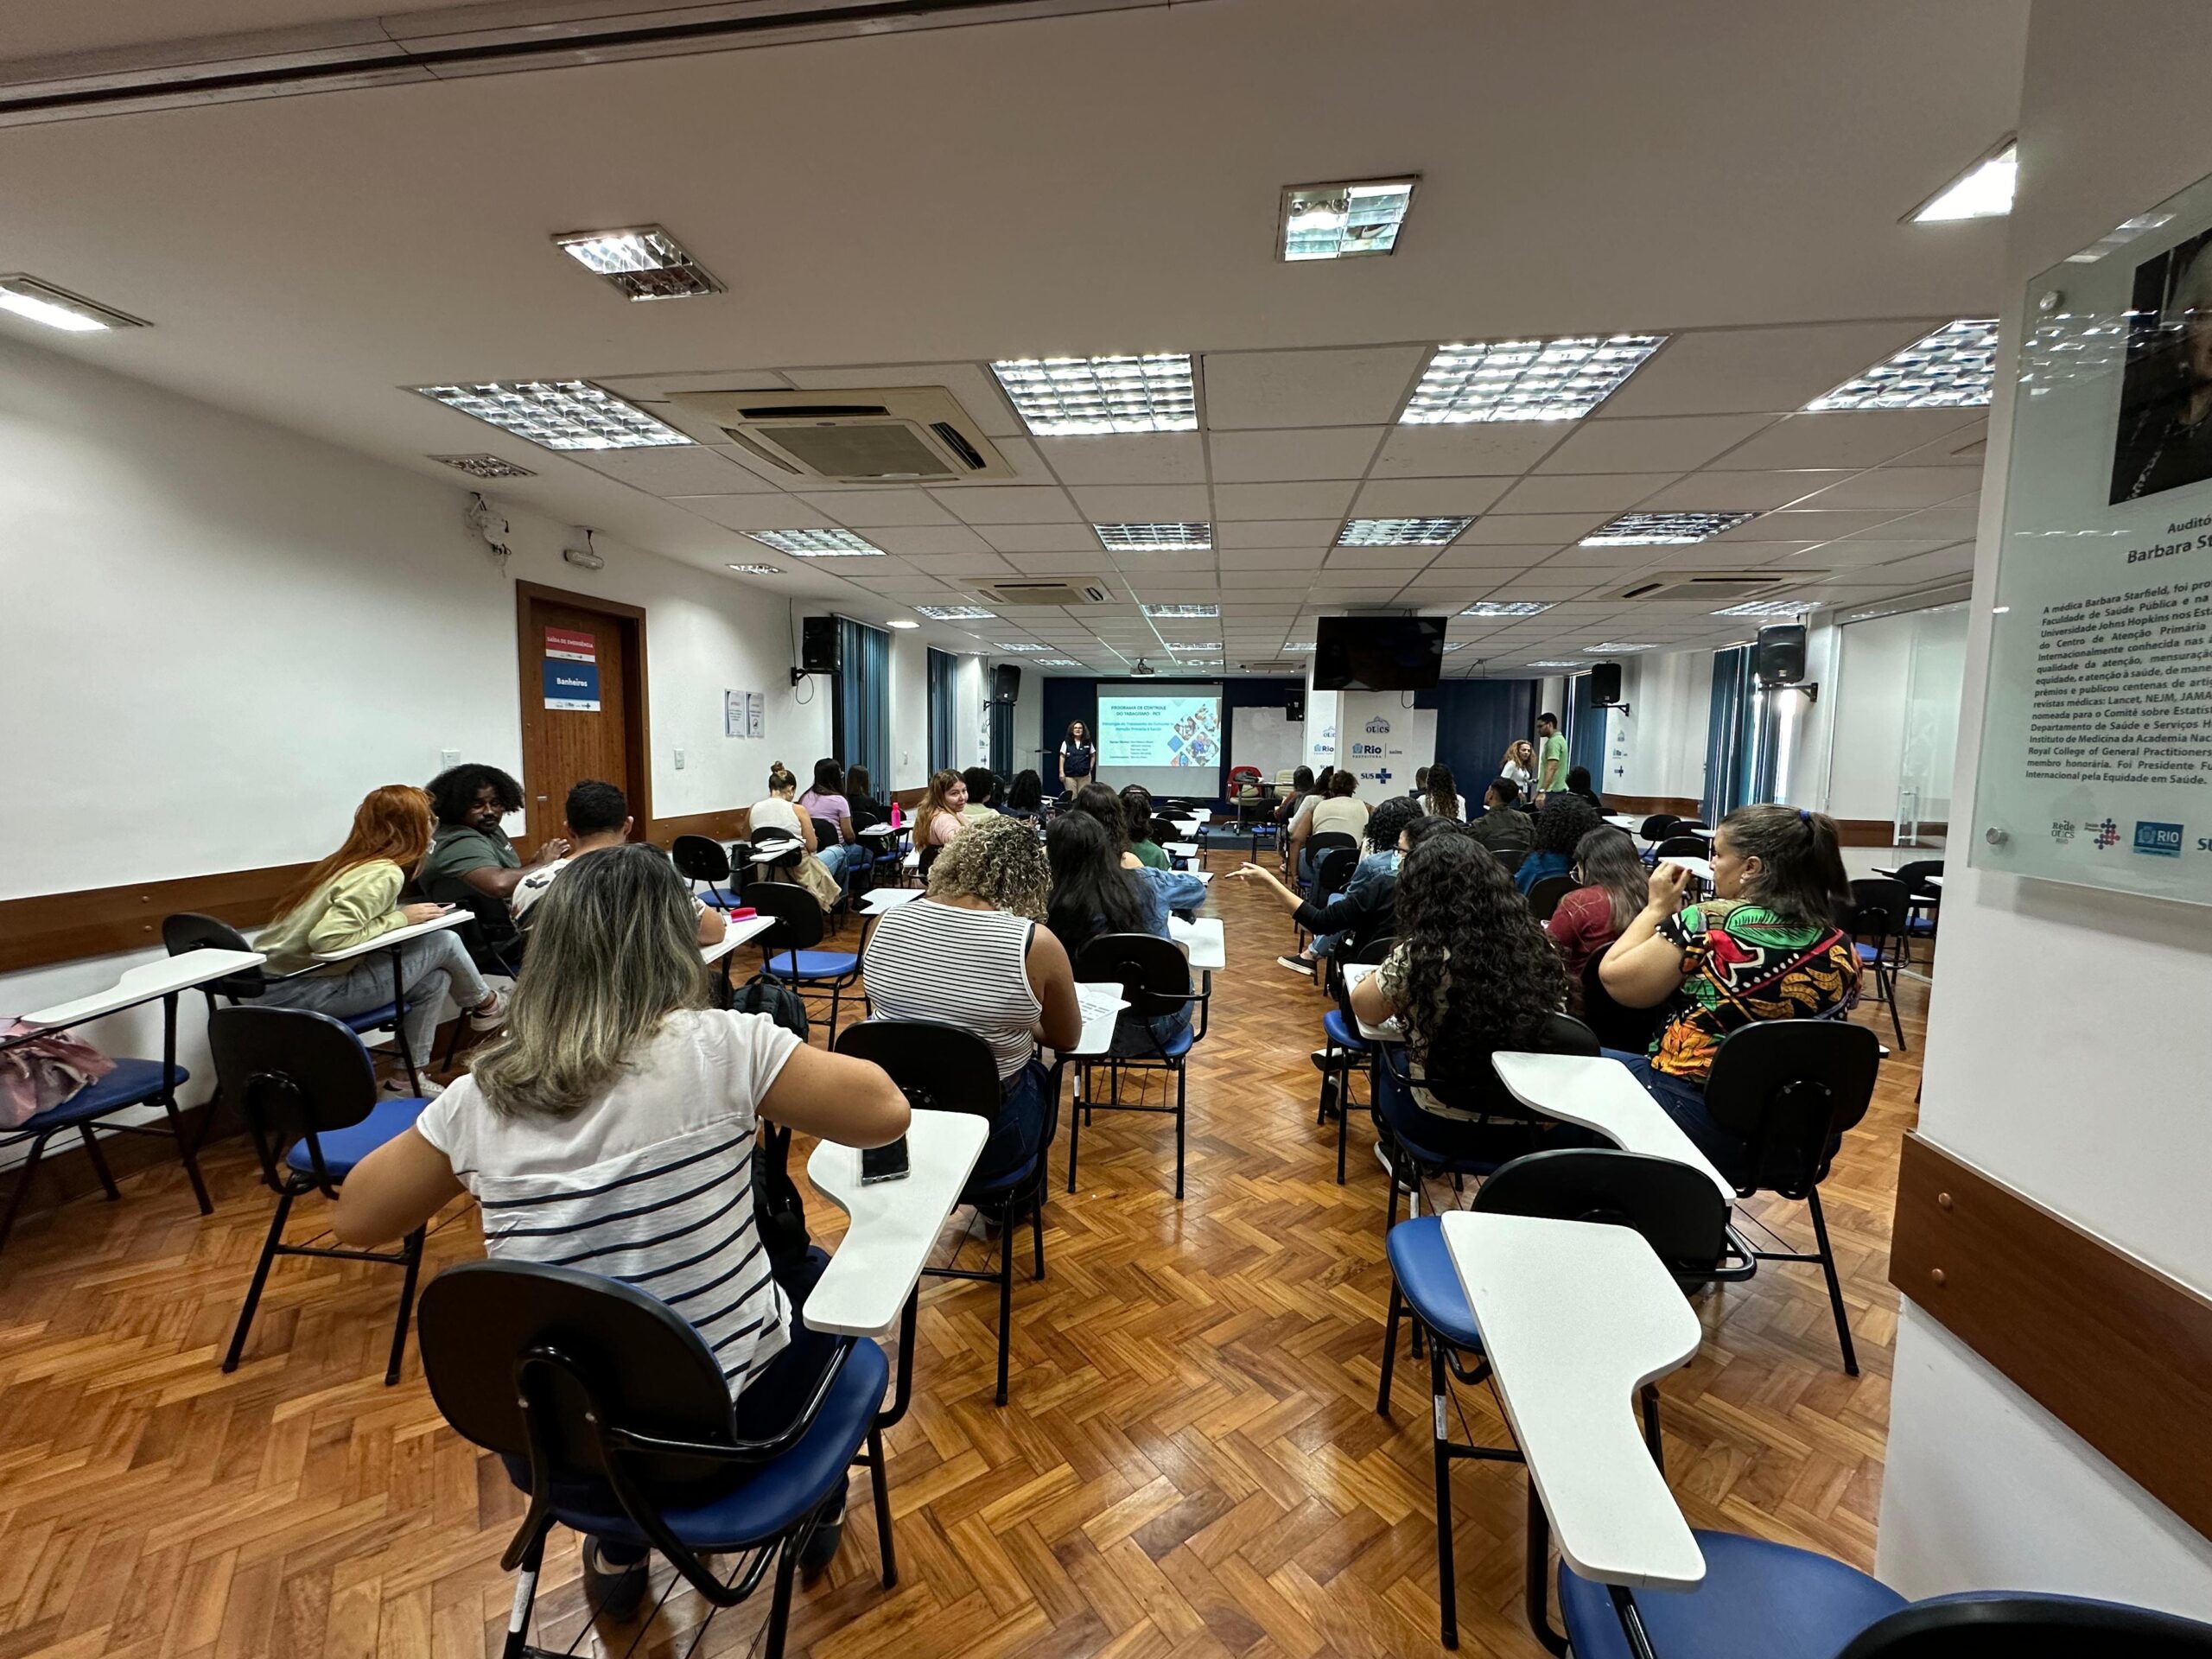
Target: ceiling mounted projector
1143, 669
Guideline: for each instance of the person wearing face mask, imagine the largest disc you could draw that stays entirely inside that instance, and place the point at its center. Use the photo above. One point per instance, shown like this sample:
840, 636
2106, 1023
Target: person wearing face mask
1363, 910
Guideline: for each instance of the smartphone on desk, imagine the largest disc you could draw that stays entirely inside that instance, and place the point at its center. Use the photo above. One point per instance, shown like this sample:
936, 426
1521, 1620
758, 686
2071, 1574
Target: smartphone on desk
884, 1163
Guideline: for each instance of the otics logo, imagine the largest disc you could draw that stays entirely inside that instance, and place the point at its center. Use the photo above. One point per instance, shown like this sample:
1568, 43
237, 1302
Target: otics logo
1379, 726
2062, 830
2108, 835
2160, 840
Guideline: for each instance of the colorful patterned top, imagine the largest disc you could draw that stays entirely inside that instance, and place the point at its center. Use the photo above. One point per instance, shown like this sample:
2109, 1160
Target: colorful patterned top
1742, 964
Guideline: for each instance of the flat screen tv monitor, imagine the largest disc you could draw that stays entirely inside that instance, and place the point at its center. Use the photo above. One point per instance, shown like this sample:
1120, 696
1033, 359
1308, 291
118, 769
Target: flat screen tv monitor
1378, 653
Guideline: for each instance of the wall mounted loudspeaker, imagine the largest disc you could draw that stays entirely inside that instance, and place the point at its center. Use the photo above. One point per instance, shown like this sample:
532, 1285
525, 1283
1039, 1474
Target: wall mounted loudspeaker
1779, 657
1006, 683
817, 644
1293, 706
1604, 685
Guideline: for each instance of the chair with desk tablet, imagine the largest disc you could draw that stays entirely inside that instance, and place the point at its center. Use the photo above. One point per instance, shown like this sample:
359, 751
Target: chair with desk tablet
1343, 1051
944, 1068
1924, 901
699, 859
1544, 896
614, 1420
1680, 846
308, 1094
1791, 1089
787, 949
1658, 827
1878, 914
1155, 977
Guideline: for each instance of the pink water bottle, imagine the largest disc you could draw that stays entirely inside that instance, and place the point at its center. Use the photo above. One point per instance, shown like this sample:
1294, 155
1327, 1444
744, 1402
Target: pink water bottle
897, 818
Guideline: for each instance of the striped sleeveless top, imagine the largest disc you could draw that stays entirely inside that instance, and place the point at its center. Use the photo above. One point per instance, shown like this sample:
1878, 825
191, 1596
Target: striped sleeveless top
965, 968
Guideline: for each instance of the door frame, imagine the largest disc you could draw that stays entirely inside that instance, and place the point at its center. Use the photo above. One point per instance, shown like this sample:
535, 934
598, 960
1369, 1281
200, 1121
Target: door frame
637, 725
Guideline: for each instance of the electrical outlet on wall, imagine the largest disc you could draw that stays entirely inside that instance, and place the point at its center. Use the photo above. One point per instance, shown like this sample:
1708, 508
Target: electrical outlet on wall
449, 758
679, 759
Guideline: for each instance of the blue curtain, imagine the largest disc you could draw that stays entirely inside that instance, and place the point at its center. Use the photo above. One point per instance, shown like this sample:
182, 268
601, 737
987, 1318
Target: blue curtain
860, 713
1475, 720
1585, 740
944, 708
1731, 735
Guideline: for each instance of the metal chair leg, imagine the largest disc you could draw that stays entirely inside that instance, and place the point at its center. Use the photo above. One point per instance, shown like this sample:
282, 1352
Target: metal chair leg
1075, 1129
779, 1610
411, 1252
188, 1153
1389, 1349
1006, 1294
1447, 1598
1836, 1286
1037, 1225
260, 1278
517, 1642
881, 1479
1182, 1115
399, 1024
22, 1184
99, 1162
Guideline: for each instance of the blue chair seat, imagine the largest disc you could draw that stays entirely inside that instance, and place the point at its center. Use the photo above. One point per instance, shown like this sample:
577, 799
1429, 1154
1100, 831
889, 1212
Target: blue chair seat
1341, 1031
371, 1019
1920, 925
1759, 1599
1423, 1269
814, 964
765, 1499
132, 1084
721, 901
343, 1148
1870, 953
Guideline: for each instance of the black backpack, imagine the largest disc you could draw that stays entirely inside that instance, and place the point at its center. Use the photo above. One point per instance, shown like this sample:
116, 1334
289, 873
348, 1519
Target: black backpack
777, 1210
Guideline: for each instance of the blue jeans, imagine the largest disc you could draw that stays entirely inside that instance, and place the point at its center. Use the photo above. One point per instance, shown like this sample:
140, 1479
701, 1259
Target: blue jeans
432, 967
841, 858
1683, 1100
1019, 1130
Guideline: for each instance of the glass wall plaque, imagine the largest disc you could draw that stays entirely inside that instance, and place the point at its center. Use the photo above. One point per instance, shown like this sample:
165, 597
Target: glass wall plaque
2096, 742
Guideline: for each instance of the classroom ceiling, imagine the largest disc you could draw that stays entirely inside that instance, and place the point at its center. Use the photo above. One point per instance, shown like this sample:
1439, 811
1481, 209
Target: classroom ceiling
902, 210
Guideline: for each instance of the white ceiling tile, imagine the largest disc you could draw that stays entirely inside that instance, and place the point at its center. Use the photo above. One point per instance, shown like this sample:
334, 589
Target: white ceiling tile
1793, 524
1477, 449
1717, 491
1293, 455
1924, 567
1428, 498
1667, 443
1359, 386
1867, 550
1967, 446
1405, 560
755, 512
1936, 524
975, 385
1009, 505
1475, 556
1278, 532
876, 509
688, 469
1043, 538
1136, 458
962, 565
1250, 501
1852, 438
1527, 528
1271, 558
1898, 487
1759, 371
1053, 564
929, 538
1581, 492
1143, 503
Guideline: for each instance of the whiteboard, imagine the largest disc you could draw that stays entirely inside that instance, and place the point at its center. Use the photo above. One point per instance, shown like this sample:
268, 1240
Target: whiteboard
1263, 738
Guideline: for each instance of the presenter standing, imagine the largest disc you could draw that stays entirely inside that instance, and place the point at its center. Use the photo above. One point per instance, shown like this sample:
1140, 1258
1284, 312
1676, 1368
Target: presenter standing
1079, 757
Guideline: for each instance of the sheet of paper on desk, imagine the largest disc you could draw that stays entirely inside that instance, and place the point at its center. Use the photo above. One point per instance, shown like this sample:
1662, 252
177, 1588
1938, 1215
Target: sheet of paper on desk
1097, 1002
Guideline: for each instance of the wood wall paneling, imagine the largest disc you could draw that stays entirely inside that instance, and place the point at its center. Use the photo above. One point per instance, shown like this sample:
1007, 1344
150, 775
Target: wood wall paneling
53, 927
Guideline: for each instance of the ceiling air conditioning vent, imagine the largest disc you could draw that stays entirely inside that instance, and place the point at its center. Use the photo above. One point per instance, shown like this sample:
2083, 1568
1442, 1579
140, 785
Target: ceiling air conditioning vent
1046, 590
911, 435
1298, 669
1698, 587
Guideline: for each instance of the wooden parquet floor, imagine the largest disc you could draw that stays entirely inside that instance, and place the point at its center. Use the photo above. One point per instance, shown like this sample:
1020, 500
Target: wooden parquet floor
1191, 1463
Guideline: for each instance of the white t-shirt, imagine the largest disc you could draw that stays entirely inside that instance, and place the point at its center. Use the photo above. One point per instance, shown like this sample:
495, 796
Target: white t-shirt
774, 813
650, 1184
531, 888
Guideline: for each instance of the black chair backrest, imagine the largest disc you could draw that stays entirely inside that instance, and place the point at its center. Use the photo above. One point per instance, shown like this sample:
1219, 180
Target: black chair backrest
1681, 824
1510, 857
1659, 826
1915, 876
1317, 846
2015, 1625
1683, 846
1153, 974
1617, 1025
798, 913
186, 931
1791, 1088
296, 1075
1678, 1209
697, 858
1486, 1093
928, 858
1368, 953
1331, 870
1544, 896
938, 1067
1160, 832
576, 1345
1879, 906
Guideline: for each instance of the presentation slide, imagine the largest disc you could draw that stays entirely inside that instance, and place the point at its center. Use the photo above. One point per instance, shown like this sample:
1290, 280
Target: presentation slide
1168, 738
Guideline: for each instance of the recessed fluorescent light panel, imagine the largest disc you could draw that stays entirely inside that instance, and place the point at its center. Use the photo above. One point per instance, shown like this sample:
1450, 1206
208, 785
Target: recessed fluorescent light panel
1453, 647
1983, 191
1559, 664
1952, 368
1400, 532
817, 543
1506, 607
558, 413
1198, 662
902, 622
1664, 529
1526, 379
1016, 646
1768, 608
1182, 610
758, 570
1344, 221
1058, 662
1077, 396
1183, 537
1614, 648
644, 263
57, 307
954, 613
1300, 645
1192, 645
484, 466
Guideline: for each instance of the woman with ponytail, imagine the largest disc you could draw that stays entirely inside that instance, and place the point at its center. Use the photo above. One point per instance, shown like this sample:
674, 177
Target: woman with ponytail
1766, 946
1440, 793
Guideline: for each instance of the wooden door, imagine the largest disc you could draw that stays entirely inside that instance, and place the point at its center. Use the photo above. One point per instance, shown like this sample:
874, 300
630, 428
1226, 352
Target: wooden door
577, 650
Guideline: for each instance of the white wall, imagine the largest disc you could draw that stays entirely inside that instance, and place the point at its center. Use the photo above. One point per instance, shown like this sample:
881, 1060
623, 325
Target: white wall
1029, 723
1658, 747
972, 726
2099, 1114
910, 714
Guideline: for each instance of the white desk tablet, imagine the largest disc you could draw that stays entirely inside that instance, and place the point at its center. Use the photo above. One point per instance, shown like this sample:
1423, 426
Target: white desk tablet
878, 830
1576, 1317
740, 932
149, 979
881, 901
1202, 942
397, 936
1933, 880
1392, 1030
1600, 1094
1100, 1002
1181, 850
877, 1264
1700, 868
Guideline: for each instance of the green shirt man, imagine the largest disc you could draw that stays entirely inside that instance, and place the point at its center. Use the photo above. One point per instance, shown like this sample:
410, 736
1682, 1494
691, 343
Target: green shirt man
1551, 755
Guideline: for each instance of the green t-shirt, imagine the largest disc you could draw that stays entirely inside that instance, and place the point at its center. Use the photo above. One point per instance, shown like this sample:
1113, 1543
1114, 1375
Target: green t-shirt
457, 848
1149, 855
1551, 763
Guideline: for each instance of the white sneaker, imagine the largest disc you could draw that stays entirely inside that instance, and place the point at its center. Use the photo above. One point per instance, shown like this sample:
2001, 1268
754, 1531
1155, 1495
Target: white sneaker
491, 1016
397, 1089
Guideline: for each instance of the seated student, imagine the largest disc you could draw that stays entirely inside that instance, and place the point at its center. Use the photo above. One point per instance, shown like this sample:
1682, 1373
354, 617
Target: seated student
1577, 783
1301, 785
1421, 784
470, 854
615, 1077
352, 896
1470, 973
1025, 796
1094, 892
1178, 890
1561, 823
1440, 794
597, 818
1363, 911
825, 803
1136, 816
1765, 947
777, 810
1337, 810
1615, 888
971, 953
865, 809
982, 791
1502, 826
938, 819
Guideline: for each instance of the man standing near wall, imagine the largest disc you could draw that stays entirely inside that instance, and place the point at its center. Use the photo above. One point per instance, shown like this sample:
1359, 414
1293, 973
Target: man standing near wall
1551, 756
